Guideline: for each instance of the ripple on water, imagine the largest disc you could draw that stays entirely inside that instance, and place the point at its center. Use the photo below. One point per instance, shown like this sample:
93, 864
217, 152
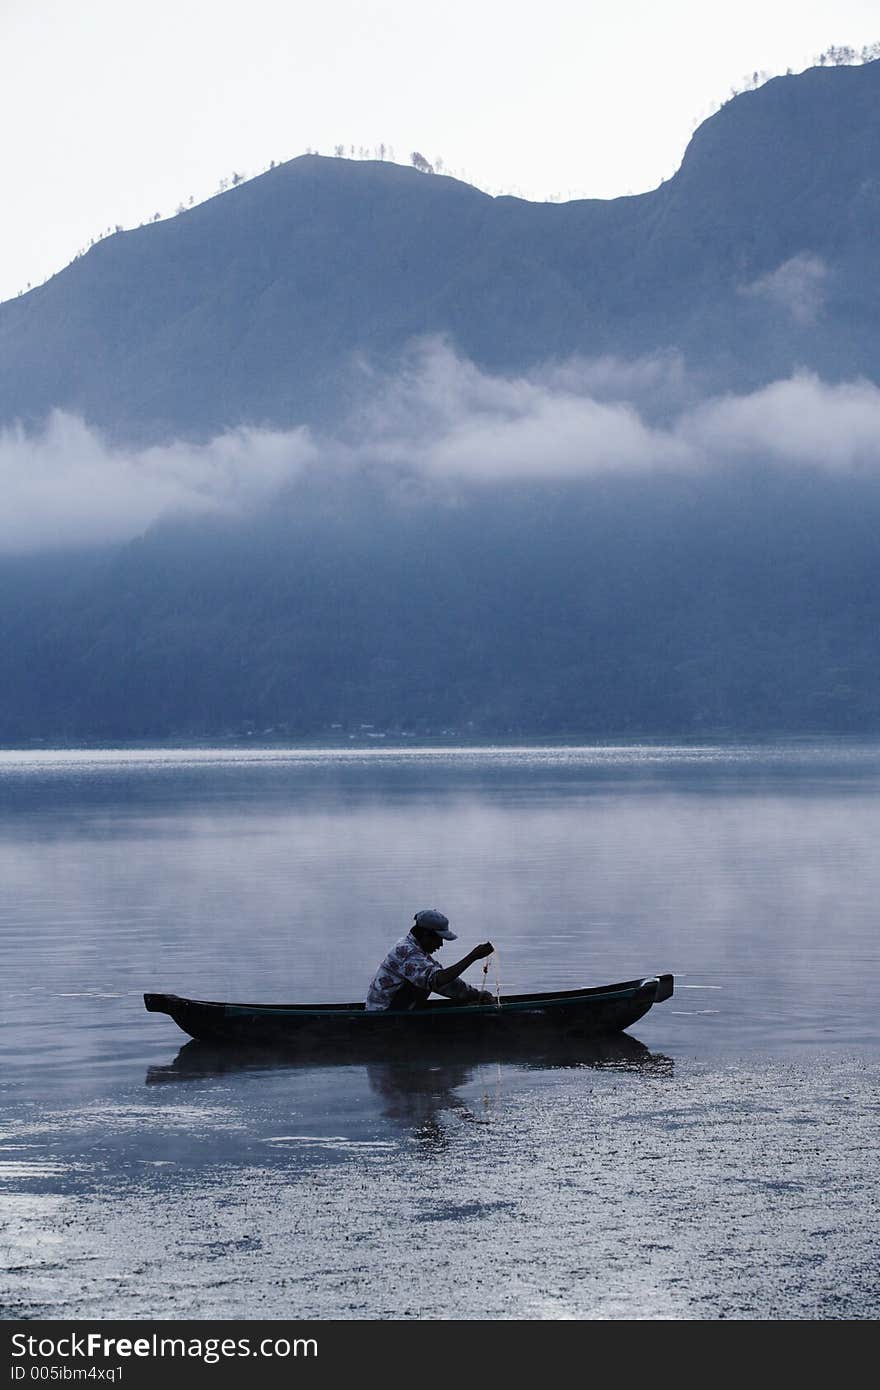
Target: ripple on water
698, 1193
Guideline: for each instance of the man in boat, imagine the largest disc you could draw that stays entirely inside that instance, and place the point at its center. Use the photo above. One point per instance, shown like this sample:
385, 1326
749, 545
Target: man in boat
408, 975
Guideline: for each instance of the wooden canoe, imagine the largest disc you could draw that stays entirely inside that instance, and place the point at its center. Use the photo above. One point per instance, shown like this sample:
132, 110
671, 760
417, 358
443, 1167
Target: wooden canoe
595, 1012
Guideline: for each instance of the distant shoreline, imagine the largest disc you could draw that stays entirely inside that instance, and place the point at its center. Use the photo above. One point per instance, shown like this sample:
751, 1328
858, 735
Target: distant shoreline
221, 743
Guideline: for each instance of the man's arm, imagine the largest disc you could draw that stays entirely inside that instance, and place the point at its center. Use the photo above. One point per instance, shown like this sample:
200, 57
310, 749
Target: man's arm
452, 972
463, 993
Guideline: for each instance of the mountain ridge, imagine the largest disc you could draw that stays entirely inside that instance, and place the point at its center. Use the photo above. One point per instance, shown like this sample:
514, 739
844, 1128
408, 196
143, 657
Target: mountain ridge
621, 593
250, 307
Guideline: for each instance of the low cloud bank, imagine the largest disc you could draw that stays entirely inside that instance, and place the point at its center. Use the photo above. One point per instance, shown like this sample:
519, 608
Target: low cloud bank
65, 486
439, 417
798, 287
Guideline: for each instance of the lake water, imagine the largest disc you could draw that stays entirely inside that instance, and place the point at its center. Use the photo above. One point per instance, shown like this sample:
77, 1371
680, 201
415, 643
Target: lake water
722, 1165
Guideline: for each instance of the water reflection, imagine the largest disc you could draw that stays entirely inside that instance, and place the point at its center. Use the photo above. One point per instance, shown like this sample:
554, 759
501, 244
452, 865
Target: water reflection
621, 1051
420, 1092
421, 1097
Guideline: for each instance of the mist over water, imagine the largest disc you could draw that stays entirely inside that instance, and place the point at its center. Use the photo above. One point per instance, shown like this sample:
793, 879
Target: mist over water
274, 875
271, 875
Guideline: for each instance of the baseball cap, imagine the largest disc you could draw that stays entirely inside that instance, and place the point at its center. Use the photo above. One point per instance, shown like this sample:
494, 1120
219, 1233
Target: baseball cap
435, 921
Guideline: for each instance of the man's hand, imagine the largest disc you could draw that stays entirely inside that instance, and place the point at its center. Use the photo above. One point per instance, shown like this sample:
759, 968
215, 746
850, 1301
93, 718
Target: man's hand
452, 972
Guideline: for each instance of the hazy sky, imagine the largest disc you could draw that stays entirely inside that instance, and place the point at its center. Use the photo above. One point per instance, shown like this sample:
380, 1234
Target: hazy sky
112, 110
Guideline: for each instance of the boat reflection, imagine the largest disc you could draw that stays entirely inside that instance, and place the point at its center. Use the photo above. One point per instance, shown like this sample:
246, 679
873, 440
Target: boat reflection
621, 1052
418, 1090
421, 1097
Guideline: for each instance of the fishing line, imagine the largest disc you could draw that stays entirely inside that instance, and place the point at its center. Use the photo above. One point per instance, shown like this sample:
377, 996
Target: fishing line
494, 957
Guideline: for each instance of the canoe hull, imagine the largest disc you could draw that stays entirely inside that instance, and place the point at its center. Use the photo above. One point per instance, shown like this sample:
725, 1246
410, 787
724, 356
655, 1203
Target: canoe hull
573, 1013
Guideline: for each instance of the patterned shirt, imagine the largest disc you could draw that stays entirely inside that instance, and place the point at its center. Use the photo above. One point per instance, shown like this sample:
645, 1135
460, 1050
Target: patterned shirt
408, 963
